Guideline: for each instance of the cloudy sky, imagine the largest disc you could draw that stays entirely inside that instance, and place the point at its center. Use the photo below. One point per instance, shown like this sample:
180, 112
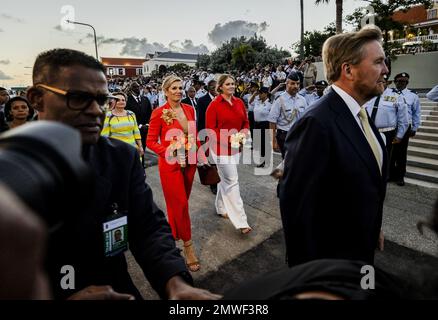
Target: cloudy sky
132, 27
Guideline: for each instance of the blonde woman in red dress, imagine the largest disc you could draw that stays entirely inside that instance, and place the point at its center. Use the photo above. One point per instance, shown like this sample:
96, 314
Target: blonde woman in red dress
177, 120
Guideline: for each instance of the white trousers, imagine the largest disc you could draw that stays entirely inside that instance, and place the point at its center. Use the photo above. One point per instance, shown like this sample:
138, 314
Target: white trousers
228, 199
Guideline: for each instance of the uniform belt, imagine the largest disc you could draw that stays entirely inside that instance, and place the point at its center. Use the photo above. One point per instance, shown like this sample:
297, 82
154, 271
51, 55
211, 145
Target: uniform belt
386, 129
281, 131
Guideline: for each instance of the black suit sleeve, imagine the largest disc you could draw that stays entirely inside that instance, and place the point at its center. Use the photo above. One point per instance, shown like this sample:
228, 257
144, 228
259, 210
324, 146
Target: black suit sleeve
3, 124
151, 240
147, 107
306, 163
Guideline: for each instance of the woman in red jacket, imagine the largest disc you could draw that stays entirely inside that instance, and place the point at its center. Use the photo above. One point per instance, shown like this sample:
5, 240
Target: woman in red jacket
226, 116
172, 135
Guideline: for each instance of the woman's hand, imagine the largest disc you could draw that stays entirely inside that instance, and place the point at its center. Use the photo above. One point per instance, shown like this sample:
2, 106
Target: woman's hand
140, 151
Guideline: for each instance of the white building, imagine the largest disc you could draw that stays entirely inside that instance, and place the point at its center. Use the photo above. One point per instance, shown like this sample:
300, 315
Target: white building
167, 59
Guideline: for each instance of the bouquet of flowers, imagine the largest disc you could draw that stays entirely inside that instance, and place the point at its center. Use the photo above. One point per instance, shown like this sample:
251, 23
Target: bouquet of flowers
237, 140
182, 144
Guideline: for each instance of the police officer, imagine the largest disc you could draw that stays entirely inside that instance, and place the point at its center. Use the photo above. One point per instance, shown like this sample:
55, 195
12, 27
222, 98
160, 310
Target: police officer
312, 93
261, 104
251, 90
285, 111
389, 113
400, 150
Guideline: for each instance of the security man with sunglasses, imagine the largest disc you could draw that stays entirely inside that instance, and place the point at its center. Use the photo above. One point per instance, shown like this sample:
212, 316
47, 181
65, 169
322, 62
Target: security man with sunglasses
70, 87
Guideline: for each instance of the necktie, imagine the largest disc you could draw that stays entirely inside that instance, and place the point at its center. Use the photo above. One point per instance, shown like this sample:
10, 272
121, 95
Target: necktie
369, 135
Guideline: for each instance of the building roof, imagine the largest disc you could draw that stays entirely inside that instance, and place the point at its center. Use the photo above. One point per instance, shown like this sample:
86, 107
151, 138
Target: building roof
177, 55
415, 14
122, 61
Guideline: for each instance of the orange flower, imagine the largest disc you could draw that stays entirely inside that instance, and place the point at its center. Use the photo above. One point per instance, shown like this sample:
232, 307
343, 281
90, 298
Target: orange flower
168, 116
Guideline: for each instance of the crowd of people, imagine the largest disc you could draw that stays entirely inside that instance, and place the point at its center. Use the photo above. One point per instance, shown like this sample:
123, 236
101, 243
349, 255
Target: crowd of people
337, 156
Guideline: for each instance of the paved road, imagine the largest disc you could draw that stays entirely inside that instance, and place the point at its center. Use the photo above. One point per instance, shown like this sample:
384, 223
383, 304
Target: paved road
229, 258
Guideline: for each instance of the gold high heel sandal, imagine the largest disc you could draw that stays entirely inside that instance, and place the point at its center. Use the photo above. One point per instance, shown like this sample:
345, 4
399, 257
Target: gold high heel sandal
191, 261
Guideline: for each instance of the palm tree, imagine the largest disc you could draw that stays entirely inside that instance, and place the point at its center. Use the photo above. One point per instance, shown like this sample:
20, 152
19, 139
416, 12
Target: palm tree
339, 9
302, 30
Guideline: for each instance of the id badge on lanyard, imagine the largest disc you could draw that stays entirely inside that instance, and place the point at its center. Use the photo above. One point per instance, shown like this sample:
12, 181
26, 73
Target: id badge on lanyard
115, 233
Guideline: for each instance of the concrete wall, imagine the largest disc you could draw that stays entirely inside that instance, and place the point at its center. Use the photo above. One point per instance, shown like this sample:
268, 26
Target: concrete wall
422, 69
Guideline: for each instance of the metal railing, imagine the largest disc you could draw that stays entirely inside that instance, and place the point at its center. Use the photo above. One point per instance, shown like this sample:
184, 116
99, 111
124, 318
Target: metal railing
430, 37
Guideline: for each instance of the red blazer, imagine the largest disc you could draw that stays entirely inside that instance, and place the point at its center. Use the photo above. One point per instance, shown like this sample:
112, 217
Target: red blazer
221, 115
158, 128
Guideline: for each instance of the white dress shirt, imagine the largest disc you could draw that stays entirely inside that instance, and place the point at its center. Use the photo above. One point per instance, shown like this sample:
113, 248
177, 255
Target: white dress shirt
354, 108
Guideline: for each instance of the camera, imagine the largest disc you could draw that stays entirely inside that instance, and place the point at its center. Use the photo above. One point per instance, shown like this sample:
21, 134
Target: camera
41, 163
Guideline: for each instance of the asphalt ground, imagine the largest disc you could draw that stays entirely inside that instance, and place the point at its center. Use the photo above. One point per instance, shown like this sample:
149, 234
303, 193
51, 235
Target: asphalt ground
229, 258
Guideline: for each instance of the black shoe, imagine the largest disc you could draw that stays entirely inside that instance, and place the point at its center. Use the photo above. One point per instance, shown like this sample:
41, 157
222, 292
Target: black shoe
213, 188
401, 182
261, 165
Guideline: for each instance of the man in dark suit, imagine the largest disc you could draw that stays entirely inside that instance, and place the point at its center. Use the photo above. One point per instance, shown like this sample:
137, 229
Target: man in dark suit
334, 185
191, 99
142, 108
121, 198
203, 104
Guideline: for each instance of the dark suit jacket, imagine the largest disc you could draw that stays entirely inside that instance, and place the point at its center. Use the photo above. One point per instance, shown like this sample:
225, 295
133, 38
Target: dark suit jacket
332, 193
187, 100
142, 109
3, 124
120, 179
203, 103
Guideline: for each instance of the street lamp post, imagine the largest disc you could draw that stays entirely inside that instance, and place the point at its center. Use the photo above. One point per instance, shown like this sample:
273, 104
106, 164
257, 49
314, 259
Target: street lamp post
94, 31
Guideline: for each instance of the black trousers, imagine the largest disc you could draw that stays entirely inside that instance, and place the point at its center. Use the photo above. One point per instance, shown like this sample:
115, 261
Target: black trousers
389, 135
397, 168
281, 138
251, 124
143, 133
262, 126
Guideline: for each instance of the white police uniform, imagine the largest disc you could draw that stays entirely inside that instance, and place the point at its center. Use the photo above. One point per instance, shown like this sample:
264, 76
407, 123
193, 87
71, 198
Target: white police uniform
433, 94
285, 111
311, 97
391, 113
414, 108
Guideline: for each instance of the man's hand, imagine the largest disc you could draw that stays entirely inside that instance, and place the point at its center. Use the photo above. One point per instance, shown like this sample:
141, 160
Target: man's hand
396, 140
381, 241
178, 289
100, 293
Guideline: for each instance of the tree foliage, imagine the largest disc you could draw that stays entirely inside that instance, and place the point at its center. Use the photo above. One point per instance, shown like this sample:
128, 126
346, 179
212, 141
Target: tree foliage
383, 13
313, 41
242, 54
178, 68
339, 11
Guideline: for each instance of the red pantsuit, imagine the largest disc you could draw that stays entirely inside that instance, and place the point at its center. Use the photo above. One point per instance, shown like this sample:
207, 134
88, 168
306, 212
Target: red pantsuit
176, 183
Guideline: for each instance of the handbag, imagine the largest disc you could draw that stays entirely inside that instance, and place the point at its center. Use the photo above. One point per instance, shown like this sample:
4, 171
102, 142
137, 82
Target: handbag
208, 174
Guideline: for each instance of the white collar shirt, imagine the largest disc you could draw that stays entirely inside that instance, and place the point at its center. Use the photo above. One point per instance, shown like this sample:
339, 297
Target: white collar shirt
354, 108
